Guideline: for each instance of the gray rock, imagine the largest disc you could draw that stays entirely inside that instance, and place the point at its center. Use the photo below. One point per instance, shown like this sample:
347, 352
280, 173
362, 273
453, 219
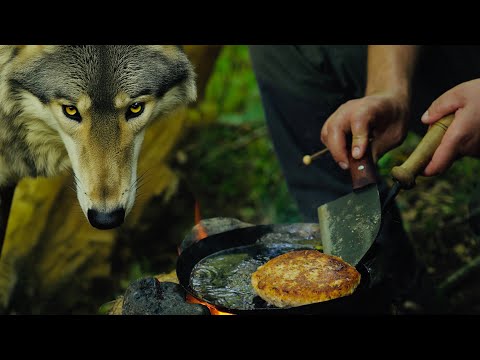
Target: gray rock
148, 296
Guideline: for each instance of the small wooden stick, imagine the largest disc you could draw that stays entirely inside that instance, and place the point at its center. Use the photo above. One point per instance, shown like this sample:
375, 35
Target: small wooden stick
307, 159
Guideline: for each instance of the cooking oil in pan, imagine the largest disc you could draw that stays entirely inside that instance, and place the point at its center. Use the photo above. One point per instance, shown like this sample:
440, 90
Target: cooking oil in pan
311, 242
224, 278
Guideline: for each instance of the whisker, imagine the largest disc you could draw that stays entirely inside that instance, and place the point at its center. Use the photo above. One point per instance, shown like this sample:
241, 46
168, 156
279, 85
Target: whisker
140, 197
142, 178
139, 187
71, 188
143, 175
77, 181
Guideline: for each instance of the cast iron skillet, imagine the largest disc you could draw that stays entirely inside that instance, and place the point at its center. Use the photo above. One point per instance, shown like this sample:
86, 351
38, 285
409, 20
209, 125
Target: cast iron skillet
369, 296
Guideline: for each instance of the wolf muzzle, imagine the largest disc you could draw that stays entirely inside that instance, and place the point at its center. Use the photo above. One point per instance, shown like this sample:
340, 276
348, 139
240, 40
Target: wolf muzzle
106, 220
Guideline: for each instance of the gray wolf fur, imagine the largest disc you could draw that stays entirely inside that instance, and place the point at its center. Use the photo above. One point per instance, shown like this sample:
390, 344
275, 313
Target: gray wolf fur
86, 107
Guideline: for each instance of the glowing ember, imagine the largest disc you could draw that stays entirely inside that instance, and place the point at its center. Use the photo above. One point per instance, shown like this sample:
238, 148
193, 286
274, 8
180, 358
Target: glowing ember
213, 310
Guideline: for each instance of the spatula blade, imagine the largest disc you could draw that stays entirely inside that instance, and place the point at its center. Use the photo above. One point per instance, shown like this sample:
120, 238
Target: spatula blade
350, 224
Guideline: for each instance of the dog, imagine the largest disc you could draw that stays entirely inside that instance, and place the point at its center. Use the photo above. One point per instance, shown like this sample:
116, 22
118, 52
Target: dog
86, 108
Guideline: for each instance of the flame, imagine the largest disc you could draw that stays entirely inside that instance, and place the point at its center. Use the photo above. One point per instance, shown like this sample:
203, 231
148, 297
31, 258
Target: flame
200, 231
213, 310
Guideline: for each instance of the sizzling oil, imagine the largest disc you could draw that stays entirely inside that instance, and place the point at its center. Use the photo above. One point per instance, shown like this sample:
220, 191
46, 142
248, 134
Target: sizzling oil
224, 278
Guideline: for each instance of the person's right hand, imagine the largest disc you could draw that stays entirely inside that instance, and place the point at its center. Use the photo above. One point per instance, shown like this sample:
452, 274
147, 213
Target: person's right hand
462, 138
380, 116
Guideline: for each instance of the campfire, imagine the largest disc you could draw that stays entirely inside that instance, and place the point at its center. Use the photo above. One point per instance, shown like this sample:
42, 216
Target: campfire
199, 232
213, 310
163, 294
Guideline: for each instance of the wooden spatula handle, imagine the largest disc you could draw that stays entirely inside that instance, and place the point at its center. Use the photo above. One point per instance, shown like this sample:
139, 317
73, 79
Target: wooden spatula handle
406, 173
362, 171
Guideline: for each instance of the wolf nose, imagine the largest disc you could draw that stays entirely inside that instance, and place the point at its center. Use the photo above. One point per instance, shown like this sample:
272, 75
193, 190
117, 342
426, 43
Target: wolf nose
106, 220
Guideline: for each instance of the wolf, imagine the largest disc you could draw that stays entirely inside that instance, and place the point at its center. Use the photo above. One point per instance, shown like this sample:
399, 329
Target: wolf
86, 108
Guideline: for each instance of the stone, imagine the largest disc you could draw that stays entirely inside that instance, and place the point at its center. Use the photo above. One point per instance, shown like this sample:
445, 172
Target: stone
148, 296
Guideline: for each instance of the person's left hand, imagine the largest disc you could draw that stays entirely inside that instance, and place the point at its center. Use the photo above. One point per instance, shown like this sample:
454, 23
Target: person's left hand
462, 138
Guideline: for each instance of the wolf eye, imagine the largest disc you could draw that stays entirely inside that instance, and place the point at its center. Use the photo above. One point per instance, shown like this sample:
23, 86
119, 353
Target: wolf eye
135, 110
71, 112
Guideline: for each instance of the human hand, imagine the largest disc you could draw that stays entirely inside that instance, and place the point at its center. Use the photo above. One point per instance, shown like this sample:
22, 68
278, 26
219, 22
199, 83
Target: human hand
462, 138
381, 116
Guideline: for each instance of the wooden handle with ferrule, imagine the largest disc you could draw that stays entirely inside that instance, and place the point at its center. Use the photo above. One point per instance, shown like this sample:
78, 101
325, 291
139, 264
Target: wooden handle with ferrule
406, 173
362, 171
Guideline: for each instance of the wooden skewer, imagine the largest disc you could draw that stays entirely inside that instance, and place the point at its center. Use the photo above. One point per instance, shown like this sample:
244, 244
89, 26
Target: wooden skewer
307, 159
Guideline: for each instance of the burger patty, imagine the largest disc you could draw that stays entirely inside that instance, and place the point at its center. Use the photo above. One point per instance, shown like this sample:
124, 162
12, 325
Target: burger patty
304, 277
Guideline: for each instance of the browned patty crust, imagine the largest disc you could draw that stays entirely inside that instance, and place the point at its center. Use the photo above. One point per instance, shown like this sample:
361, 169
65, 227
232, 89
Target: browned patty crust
304, 277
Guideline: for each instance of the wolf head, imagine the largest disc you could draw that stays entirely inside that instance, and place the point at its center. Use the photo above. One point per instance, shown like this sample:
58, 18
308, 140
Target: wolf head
100, 99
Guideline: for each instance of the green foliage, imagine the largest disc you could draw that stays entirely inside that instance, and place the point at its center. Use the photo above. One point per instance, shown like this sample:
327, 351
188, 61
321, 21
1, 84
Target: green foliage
234, 173
233, 88
232, 168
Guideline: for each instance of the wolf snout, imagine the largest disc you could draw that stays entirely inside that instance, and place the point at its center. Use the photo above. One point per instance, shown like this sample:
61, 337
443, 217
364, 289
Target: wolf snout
106, 220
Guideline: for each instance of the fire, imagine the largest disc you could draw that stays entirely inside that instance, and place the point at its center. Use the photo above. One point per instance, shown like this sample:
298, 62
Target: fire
213, 310
201, 232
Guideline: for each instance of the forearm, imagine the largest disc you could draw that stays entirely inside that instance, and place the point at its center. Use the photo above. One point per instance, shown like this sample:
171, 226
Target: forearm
390, 68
